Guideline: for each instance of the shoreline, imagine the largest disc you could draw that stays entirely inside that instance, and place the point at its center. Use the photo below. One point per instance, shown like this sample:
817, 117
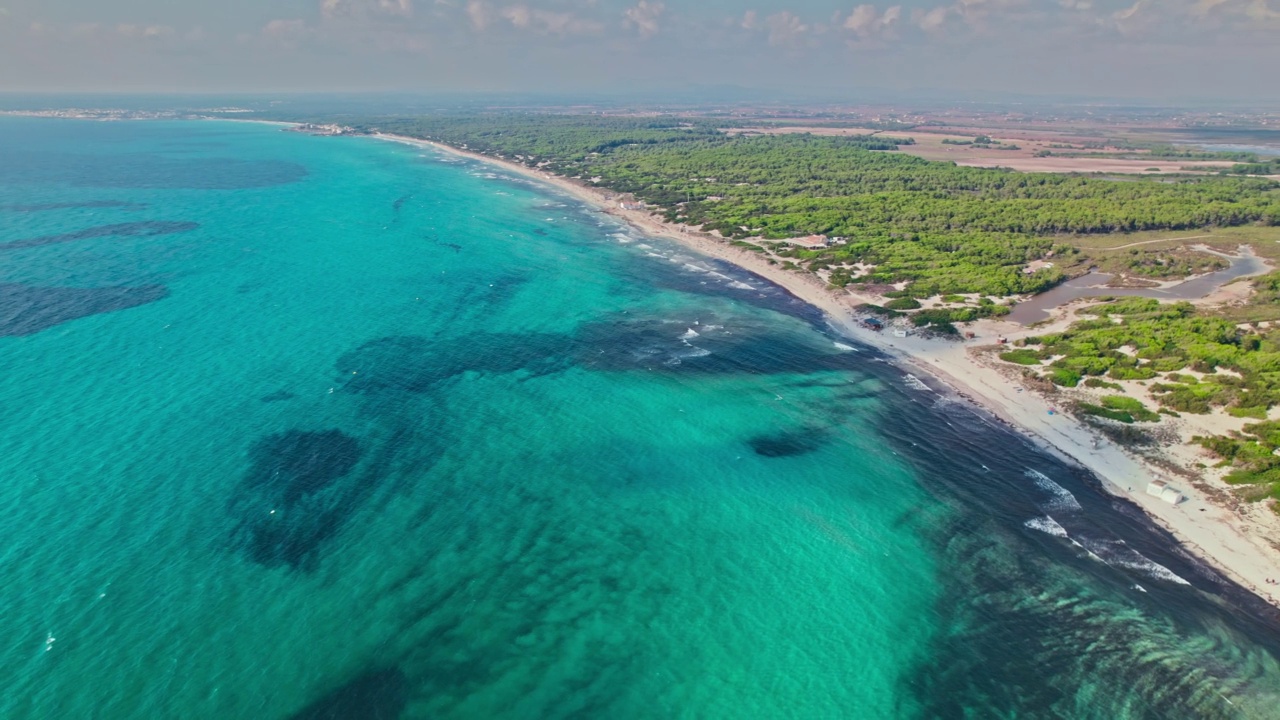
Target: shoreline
1203, 528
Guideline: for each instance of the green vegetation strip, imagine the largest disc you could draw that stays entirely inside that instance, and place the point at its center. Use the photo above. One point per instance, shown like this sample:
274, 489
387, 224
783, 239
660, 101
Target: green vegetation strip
1021, 356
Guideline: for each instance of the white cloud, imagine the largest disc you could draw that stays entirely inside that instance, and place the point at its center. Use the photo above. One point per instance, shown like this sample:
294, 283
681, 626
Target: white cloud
364, 9
479, 14
143, 31
1256, 10
1129, 12
277, 28
866, 21
749, 20
1205, 7
644, 17
931, 20
548, 22
101, 32
1261, 10
284, 33
785, 28
520, 16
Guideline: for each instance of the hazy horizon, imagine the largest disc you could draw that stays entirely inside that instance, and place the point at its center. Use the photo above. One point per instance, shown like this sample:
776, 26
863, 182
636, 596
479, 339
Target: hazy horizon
1174, 51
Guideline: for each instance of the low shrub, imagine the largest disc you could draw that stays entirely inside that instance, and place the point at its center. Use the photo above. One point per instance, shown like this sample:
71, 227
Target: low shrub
1021, 357
877, 310
1099, 411
903, 303
1257, 413
1119, 372
1064, 377
1124, 435
1132, 406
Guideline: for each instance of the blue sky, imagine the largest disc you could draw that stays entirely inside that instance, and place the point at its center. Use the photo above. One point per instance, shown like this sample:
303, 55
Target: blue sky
1127, 48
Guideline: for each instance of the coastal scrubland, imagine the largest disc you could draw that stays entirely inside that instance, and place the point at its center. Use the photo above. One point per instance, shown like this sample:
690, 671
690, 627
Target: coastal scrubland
1190, 360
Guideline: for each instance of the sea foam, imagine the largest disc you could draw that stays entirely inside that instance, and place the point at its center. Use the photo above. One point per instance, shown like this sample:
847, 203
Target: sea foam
914, 383
1062, 500
1117, 553
1048, 525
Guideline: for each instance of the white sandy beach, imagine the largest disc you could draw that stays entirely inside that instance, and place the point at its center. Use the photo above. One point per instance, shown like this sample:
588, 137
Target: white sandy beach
1237, 541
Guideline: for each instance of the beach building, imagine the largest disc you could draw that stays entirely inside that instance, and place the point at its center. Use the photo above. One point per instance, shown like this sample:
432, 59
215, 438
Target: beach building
872, 324
631, 205
1166, 493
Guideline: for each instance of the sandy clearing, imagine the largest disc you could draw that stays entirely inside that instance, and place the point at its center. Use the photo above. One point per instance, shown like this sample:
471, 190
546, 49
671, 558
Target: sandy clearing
930, 146
1151, 242
1091, 165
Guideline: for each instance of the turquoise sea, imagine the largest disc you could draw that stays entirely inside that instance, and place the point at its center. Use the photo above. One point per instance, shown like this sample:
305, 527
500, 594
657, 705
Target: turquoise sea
302, 427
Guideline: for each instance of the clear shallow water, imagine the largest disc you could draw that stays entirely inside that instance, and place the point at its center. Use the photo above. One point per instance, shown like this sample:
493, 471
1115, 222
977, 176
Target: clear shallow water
304, 427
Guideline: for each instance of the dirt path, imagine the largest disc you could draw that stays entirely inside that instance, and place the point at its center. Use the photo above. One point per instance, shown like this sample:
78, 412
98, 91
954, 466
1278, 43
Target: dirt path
1149, 242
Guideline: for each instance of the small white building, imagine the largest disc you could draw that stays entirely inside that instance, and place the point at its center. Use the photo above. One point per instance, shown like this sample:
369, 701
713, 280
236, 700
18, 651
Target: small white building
1166, 493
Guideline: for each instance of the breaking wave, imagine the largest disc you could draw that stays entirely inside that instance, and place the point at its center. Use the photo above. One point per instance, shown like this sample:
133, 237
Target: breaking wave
1063, 500
914, 383
1117, 553
1048, 525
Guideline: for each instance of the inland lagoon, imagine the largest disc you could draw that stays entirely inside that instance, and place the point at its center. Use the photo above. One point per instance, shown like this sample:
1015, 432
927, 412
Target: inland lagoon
303, 427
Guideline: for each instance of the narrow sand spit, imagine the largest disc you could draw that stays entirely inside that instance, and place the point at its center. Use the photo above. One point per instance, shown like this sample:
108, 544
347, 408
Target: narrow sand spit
1235, 542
